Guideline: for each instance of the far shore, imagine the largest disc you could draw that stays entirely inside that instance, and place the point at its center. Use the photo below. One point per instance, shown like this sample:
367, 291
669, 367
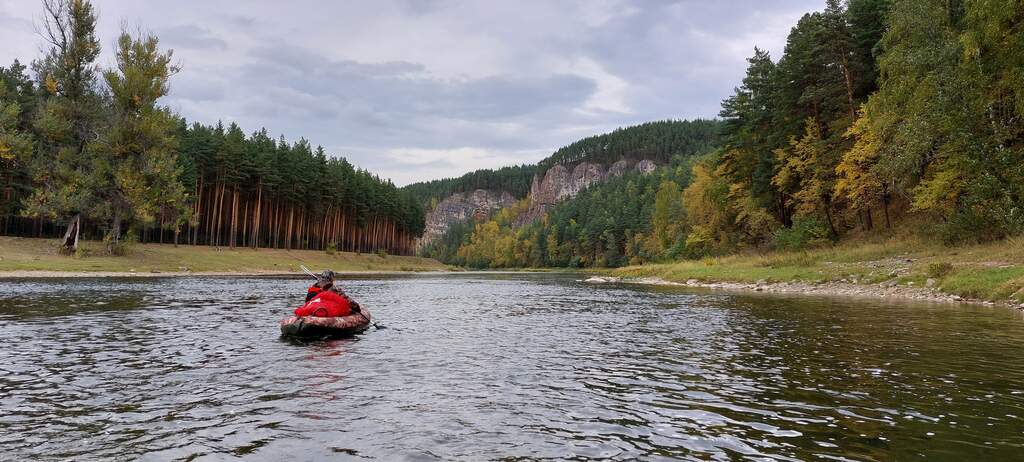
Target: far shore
27, 257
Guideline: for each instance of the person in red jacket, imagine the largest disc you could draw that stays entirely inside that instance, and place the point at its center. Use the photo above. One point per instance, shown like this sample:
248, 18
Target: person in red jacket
326, 304
325, 279
325, 299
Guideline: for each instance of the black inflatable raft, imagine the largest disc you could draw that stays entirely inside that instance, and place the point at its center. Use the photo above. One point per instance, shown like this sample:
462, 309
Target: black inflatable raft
312, 326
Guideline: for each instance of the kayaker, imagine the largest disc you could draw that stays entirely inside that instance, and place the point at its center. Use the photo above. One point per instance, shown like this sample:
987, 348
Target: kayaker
326, 299
325, 279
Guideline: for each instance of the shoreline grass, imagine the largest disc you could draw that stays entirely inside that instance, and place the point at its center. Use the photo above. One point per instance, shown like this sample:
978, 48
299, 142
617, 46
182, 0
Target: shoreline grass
27, 255
989, 272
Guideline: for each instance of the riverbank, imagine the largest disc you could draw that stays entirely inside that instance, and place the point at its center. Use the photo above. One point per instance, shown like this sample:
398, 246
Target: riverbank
990, 273
24, 257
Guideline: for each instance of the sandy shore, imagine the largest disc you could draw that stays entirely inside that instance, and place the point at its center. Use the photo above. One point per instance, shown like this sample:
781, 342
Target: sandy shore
835, 289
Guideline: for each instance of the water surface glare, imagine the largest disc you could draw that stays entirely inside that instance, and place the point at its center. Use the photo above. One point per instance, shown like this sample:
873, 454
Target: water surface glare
500, 367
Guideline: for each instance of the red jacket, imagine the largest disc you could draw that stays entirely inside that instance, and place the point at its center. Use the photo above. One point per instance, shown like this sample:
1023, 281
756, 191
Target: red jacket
312, 292
325, 304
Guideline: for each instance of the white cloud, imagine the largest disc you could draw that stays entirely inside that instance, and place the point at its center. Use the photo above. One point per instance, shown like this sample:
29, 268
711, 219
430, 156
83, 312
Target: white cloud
414, 90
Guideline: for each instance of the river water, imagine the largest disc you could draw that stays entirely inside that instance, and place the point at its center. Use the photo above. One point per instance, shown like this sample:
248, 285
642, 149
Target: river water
501, 367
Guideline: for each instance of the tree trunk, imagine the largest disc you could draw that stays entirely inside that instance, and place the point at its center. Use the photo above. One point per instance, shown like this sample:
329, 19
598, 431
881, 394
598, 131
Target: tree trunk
885, 206
199, 209
115, 234
256, 219
849, 86
234, 218
69, 245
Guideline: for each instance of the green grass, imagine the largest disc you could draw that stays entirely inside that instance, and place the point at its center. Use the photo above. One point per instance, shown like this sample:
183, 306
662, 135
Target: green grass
21, 254
993, 271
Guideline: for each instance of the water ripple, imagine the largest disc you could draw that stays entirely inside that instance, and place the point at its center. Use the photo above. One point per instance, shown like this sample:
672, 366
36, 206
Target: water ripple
500, 367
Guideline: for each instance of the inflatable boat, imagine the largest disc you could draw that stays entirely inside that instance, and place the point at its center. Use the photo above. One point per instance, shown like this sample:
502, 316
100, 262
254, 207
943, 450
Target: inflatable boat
313, 326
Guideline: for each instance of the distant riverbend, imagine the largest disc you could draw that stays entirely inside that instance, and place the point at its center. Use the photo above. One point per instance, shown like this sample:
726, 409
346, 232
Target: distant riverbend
501, 366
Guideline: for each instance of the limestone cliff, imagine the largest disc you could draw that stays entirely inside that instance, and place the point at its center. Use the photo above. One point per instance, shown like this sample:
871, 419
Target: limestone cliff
559, 183
461, 206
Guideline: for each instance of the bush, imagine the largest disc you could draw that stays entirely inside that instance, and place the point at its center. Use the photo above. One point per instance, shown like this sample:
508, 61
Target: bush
82, 251
331, 249
382, 253
121, 247
806, 232
939, 269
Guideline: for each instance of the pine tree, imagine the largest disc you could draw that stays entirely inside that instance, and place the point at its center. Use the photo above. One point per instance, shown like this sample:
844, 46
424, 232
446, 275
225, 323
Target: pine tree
138, 152
68, 122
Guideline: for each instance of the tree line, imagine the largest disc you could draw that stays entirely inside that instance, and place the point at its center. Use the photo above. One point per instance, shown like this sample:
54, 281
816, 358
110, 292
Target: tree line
656, 141
878, 114
514, 180
93, 151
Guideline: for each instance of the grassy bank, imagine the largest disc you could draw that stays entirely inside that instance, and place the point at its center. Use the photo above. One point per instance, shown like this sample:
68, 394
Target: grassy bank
991, 272
26, 255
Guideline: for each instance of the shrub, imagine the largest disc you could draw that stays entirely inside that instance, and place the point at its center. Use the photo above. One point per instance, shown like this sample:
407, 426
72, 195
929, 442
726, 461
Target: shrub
382, 253
82, 251
806, 232
331, 249
120, 247
939, 269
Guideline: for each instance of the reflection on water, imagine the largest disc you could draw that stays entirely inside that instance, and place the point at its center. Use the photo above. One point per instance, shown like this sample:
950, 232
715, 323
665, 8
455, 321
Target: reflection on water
509, 367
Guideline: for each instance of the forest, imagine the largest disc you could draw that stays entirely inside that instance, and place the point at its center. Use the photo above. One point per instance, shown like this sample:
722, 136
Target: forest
878, 114
605, 224
515, 180
90, 152
657, 141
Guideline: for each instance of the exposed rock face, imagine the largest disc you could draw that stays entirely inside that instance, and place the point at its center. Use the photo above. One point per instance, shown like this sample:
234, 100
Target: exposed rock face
460, 206
558, 184
645, 166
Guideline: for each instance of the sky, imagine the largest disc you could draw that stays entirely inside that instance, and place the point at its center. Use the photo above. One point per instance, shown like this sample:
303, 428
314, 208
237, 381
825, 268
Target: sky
415, 90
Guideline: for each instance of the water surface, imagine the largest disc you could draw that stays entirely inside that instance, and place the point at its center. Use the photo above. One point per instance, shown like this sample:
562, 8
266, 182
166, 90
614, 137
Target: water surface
500, 367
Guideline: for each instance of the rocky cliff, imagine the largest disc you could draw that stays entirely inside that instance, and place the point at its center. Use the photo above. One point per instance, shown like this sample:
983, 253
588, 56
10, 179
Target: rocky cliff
559, 183
461, 206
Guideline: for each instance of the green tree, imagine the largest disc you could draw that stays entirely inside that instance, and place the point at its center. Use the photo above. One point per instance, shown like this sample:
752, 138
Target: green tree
69, 121
15, 147
138, 152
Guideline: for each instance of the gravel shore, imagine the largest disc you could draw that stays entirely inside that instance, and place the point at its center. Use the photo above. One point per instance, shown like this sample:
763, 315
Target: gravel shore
840, 289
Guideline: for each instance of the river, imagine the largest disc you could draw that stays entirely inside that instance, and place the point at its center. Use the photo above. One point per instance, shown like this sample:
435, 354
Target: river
501, 367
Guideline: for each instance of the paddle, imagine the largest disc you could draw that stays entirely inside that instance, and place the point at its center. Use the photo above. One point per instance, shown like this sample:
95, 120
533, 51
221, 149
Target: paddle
314, 276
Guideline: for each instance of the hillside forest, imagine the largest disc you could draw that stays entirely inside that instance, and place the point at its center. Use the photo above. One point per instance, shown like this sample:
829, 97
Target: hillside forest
90, 152
879, 113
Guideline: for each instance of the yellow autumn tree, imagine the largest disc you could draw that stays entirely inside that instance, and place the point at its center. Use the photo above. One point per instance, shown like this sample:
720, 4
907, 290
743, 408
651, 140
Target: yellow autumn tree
667, 221
808, 171
857, 180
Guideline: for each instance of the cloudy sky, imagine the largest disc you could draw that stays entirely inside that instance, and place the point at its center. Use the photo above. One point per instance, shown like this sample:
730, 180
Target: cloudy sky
423, 89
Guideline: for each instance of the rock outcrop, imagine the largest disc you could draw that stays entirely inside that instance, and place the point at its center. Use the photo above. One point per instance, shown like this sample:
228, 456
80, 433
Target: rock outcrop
458, 207
559, 183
